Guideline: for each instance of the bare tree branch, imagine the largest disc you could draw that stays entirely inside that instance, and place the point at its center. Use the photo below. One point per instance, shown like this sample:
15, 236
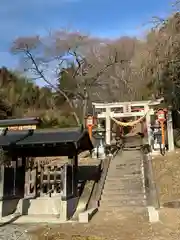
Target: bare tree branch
29, 55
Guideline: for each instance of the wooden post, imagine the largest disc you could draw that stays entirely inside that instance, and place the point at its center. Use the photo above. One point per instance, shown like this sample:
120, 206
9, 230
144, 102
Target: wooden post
90, 131
170, 132
75, 174
108, 126
2, 181
64, 182
89, 125
73, 160
41, 180
163, 135
27, 182
48, 170
70, 160
2, 168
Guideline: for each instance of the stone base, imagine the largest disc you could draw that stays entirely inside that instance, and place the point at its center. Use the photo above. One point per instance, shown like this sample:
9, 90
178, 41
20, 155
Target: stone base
86, 216
32, 219
153, 215
101, 153
40, 206
38, 210
52, 207
40, 219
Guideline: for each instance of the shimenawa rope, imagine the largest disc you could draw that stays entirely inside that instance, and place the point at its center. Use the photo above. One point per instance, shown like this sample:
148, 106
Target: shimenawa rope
129, 124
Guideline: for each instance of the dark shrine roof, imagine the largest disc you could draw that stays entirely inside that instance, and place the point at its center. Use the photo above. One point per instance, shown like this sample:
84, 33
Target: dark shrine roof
45, 142
19, 121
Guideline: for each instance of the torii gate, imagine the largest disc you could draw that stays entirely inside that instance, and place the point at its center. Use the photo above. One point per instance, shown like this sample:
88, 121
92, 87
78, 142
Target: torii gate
111, 111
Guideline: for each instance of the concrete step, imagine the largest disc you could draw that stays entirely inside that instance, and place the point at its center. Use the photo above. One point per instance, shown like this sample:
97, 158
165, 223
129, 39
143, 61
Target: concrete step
123, 181
123, 209
114, 189
132, 157
121, 174
124, 171
124, 163
122, 203
121, 187
127, 161
116, 176
122, 197
126, 155
110, 191
126, 166
123, 177
123, 193
40, 206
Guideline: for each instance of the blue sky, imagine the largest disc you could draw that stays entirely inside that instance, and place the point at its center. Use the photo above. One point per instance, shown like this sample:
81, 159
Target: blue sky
103, 18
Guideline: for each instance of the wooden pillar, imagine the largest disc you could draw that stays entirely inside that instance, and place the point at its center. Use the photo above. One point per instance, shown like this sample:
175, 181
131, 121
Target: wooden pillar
108, 126
148, 123
170, 132
2, 172
14, 164
64, 195
27, 176
75, 174
70, 182
142, 127
2, 168
70, 177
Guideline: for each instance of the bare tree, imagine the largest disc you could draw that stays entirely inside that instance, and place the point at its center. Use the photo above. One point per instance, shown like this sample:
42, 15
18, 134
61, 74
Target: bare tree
37, 55
59, 50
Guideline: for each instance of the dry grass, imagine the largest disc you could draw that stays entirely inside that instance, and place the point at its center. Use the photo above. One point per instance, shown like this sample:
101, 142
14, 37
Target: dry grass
64, 232
64, 236
167, 176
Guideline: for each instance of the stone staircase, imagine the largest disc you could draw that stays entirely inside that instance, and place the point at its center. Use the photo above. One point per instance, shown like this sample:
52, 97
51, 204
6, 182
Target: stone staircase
124, 187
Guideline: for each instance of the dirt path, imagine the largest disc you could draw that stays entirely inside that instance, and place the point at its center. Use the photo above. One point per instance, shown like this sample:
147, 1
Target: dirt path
113, 226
